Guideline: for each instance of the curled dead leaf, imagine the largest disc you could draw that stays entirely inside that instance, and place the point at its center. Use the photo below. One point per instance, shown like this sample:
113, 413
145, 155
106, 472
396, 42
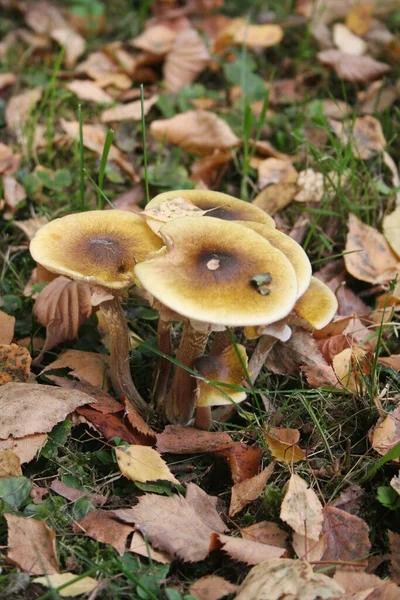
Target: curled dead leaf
248, 490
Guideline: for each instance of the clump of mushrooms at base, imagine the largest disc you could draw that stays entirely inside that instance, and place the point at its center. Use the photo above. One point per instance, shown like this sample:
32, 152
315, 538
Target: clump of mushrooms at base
207, 260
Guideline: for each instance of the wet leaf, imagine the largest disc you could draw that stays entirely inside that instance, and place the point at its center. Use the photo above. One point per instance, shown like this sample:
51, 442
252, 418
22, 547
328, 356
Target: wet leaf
141, 463
15, 364
101, 525
249, 490
301, 508
83, 586
31, 545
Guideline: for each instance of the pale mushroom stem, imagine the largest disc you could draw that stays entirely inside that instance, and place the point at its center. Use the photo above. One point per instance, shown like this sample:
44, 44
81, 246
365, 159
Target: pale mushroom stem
120, 373
202, 419
163, 366
260, 355
180, 401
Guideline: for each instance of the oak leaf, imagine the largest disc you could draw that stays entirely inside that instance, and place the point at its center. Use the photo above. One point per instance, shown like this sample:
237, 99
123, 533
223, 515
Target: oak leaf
15, 363
249, 490
141, 463
301, 508
85, 585
101, 525
185, 61
353, 68
31, 545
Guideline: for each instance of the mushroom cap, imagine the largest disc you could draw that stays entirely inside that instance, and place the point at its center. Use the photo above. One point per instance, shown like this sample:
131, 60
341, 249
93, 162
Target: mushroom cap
220, 273
291, 249
216, 205
98, 247
317, 305
223, 368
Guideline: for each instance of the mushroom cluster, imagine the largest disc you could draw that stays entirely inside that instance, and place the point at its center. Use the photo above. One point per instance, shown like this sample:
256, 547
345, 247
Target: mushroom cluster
205, 259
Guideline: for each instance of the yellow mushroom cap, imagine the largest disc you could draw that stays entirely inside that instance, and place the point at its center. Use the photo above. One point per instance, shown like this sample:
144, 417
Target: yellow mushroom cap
317, 305
98, 247
291, 249
215, 204
220, 273
223, 368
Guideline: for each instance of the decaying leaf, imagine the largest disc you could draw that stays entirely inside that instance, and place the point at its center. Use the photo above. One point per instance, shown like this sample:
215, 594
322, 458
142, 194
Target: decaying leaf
31, 545
73, 494
301, 508
131, 111
277, 578
391, 230
13, 194
10, 465
364, 134
31, 226
394, 540
275, 170
73, 43
248, 490
359, 19
346, 536
62, 307
7, 324
185, 61
89, 366
282, 446
197, 131
15, 364
139, 546
363, 586
212, 587
19, 107
246, 551
244, 461
386, 433
368, 256
240, 32
307, 549
176, 439
301, 349
9, 162
266, 532
353, 68
85, 585
210, 168
141, 463
205, 507
87, 90
101, 525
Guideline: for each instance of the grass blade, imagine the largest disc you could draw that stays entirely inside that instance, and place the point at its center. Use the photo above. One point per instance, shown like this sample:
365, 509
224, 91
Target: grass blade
146, 175
81, 161
103, 164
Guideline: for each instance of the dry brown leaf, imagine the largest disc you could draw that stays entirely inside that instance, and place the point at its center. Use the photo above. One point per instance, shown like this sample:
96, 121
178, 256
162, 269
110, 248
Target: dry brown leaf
359, 19
97, 65
131, 111
31, 545
157, 39
73, 494
73, 43
62, 307
139, 546
346, 41
211, 587
394, 541
284, 578
94, 137
89, 366
185, 61
85, 585
87, 90
368, 256
101, 525
350, 365
10, 464
31, 226
42, 407
205, 507
301, 349
19, 107
311, 550
141, 463
275, 170
390, 361
197, 131
211, 168
246, 491
15, 363
110, 425
137, 423
105, 403
320, 376
360, 586
246, 551
7, 79
395, 483
301, 508
244, 461
311, 186
376, 98
346, 536
282, 446
26, 447
275, 197
386, 433
176, 439
266, 532
364, 134
353, 68
9, 162
391, 230
7, 324
13, 193
240, 32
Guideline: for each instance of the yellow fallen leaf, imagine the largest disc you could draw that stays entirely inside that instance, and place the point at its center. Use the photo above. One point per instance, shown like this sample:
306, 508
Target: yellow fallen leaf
89, 366
10, 464
386, 433
282, 447
301, 508
83, 586
349, 366
142, 463
359, 19
240, 32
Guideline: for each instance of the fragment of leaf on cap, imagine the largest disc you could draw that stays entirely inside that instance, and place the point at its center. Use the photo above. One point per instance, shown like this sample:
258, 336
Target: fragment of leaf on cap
180, 203
101, 248
208, 274
230, 368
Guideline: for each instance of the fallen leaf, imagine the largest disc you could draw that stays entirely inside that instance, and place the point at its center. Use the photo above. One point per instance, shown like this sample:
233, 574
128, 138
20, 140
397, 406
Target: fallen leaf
15, 364
42, 407
205, 507
275, 170
131, 111
394, 541
7, 324
10, 465
243, 460
89, 366
31, 226
350, 366
306, 549
368, 256
31, 545
386, 433
9, 162
376, 98
87, 90
26, 447
320, 376
275, 197
101, 525
363, 133
363, 586
248, 490
157, 39
353, 68
301, 508
246, 551
73, 43
197, 131
19, 107
110, 425
346, 536
13, 193
311, 186
105, 403
141, 463
210, 168
278, 578
187, 58
395, 483
7, 79
139, 546
391, 230
240, 32
266, 532
212, 587
346, 41
73, 494
359, 19
350, 499
137, 423
62, 307
281, 445
85, 585
301, 349
390, 361
176, 439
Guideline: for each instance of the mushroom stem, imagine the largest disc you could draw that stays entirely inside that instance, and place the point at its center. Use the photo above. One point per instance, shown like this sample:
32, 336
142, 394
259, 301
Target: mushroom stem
260, 354
119, 355
180, 401
202, 419
220, 343
163, 366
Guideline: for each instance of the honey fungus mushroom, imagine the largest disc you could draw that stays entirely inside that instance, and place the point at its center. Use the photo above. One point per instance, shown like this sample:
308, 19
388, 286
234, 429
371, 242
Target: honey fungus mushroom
209, 273
101, 248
